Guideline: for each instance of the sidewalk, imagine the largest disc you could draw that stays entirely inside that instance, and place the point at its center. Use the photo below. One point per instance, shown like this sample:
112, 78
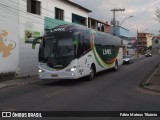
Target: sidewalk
137, 56
19, 81
153, 80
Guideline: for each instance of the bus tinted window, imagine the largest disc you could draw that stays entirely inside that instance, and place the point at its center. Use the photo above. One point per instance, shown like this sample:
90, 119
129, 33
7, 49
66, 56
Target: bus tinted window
86, 40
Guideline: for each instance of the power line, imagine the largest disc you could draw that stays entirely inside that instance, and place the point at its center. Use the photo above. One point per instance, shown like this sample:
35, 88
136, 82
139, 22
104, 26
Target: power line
147, 9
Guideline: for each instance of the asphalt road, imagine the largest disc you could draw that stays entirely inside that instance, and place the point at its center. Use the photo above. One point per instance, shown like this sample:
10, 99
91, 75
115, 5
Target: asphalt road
109, 91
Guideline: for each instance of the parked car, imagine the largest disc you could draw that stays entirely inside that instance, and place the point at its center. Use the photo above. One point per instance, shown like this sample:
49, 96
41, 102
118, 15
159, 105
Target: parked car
148, 53
127, 59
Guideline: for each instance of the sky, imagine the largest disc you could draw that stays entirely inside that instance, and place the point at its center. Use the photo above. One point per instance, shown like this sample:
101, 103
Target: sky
143, 12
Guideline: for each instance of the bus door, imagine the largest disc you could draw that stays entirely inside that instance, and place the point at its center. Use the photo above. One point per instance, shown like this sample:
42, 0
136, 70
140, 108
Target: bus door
81, 57
83, 54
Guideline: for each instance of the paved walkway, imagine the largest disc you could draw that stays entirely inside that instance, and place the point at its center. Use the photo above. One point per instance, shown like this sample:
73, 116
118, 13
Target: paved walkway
20, 81
153, 81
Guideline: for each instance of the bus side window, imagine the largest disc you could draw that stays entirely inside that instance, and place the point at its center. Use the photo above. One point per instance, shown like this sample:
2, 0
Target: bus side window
80, 46
86, 41
41, 50
83, 43
86, 45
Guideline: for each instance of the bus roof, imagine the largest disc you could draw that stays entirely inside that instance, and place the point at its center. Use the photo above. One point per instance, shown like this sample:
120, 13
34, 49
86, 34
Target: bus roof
111, 40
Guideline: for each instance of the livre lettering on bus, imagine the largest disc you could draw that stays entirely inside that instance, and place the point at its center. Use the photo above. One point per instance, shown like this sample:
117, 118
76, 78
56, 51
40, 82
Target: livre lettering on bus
107, 51
59, 29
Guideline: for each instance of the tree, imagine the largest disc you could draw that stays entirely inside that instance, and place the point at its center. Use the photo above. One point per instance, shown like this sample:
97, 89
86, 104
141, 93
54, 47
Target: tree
158, 14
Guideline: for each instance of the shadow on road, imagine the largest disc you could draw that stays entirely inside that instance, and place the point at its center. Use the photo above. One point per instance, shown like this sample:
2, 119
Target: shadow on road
73, 82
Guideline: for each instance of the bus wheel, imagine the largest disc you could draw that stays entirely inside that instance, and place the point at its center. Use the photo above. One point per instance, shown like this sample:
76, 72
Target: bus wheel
116, 66
92, 73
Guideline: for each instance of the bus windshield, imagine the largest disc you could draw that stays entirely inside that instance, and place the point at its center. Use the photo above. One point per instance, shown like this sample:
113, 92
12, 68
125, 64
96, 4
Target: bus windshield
57, 50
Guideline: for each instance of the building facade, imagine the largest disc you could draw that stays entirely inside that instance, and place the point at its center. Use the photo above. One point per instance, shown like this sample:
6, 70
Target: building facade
156, 44
144, 41
123, 33
132, 46
24, 20
98, 25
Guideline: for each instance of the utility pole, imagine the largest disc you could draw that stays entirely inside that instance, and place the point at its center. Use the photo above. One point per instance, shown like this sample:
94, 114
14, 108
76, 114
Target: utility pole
114, 18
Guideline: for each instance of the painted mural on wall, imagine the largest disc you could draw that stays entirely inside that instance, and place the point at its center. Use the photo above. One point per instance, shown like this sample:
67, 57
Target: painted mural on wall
6, 46
31, 35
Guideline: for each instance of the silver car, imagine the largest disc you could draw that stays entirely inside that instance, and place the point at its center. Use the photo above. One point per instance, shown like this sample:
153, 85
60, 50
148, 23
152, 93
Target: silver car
148, 53
127, 59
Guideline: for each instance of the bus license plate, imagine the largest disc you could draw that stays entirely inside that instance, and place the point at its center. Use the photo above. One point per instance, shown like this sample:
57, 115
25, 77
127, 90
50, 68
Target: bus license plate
54, 75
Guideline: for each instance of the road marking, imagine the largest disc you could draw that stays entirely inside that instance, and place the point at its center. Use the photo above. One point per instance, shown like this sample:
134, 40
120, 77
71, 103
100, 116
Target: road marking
9, 109
55, 93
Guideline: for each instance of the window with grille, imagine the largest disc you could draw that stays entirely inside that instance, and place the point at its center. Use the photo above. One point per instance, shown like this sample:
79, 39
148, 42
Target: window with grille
59, 14
33, 6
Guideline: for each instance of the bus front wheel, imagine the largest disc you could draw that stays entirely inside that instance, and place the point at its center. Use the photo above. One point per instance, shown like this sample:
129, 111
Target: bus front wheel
92, 73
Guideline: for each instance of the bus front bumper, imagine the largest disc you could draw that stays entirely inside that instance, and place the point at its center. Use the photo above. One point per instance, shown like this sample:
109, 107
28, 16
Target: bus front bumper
58, 75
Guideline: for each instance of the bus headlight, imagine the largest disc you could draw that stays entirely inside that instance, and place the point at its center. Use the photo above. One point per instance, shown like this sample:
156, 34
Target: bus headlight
72, 69
41, 71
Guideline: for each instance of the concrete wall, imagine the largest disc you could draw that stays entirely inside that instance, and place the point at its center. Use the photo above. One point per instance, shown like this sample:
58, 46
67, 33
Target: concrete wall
28, 57
127, 49
9, 36
131, 51
156, 45
35, 23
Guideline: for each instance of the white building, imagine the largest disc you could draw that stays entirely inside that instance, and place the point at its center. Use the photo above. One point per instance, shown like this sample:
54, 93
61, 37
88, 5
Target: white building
144, 41
22, 21
156, 44
149, 39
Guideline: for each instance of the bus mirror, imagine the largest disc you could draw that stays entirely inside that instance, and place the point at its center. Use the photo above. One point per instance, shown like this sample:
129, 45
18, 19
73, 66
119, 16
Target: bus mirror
35, 42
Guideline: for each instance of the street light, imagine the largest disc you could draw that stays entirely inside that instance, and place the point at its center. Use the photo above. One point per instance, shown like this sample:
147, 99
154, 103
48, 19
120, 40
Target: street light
125, 19
115, 31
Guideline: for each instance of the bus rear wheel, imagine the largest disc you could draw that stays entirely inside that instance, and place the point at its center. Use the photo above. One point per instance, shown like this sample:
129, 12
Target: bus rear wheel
116, 66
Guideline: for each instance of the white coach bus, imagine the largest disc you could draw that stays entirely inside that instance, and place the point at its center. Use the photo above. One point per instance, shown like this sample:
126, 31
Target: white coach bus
72, 52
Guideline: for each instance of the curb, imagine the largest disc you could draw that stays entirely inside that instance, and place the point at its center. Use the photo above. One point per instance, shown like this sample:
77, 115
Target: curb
152, 89
145, 83
21, 81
